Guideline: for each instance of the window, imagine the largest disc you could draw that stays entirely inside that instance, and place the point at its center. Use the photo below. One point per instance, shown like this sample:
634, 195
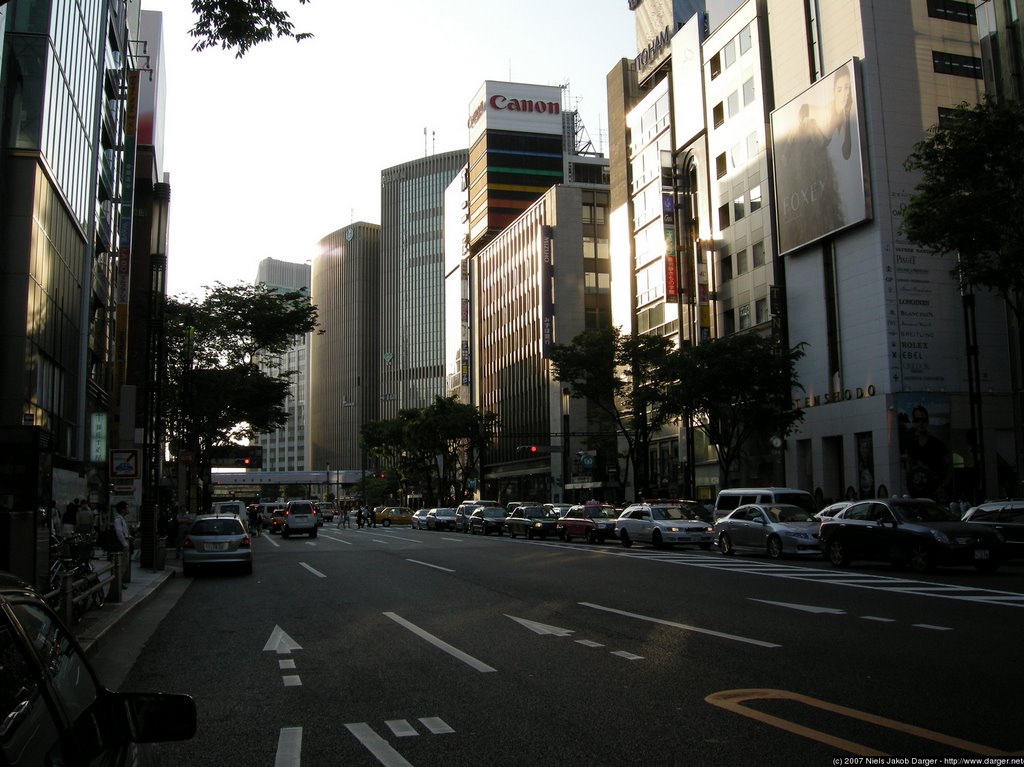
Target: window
755, 198
748, 92
761, 311
953, 10
718, 114
744, 313
753, 145
716, 65
729, 53
758, 253
728, 322
725, 269
738, 209
945, 116
734, 103
723, 216
741, 262
953, 64
744, 38
721, 166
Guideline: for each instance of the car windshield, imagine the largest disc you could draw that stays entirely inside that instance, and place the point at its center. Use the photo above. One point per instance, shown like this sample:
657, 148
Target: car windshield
445, 513
788, 514
217, 527
535, 512
803, 500
492, 513
923, 511
600, 512
668, 512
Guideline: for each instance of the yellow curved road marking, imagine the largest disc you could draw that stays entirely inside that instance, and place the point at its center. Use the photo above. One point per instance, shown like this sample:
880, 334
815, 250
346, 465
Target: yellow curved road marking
733, 700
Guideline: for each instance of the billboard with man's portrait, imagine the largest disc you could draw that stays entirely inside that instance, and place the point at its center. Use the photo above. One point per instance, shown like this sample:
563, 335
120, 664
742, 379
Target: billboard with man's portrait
821, 180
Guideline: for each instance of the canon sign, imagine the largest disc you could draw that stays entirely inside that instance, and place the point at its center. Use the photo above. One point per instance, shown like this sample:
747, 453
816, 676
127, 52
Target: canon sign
503, 103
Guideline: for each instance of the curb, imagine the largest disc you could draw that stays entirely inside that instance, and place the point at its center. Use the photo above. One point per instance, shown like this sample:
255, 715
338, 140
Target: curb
90, 632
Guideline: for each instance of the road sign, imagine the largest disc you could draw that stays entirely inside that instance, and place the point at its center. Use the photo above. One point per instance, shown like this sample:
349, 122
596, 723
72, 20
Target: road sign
124, 464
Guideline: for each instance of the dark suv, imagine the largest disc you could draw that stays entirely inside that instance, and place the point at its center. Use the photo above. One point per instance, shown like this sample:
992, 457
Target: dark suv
53, 708
913, 532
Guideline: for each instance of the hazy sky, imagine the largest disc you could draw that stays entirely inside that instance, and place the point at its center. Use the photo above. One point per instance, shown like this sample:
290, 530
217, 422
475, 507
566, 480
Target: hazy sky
270, 152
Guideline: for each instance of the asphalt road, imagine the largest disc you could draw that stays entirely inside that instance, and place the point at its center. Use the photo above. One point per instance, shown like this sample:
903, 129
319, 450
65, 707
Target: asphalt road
392, 646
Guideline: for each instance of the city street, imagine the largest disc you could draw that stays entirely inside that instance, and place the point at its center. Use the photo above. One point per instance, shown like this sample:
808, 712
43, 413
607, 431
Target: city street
404, 647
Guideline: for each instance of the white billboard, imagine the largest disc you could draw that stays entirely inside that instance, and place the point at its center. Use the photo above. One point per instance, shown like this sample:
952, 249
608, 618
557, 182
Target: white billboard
515, 107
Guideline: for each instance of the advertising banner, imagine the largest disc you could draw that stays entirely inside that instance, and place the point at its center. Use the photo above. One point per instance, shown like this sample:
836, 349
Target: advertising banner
821, 181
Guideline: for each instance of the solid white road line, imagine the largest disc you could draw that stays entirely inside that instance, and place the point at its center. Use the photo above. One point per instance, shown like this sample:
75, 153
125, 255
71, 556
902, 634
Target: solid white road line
401, 728
313, 570
291, 680
377, 746
270, 540
929, 626
427, 564
289, 747
338, 540
286, 664
709, 632
436, 725
469, 660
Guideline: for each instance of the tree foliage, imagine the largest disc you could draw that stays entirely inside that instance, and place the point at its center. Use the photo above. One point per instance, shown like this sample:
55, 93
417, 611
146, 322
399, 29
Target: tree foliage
214, 392
625, 377
738, 388
240, 24
432, 450
970, 198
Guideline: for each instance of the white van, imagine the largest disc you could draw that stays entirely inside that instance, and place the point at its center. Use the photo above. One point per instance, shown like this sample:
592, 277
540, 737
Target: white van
228, 507
730, 499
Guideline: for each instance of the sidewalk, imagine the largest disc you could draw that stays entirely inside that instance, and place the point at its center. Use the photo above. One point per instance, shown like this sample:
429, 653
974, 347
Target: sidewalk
144, 584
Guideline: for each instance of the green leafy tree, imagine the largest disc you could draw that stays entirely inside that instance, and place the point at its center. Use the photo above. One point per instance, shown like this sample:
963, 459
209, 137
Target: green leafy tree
623, 377
240, 24
970, 199
434, 450
739, 390
214, 393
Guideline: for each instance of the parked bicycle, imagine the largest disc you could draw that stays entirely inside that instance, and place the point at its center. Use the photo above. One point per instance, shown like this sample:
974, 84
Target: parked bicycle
71, 556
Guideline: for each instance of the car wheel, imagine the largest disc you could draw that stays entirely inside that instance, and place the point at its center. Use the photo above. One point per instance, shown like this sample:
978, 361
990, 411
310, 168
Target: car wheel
591, 537
529, 533
774, 547
705, 546
312, 533
511, 532
919, 558
386, 523
284, 532
624, 537
564, 535
725, 544
837, 553
248, 568
656, 540
500, 531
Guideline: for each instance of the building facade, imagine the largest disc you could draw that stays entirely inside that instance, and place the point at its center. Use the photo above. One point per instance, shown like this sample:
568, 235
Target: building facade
412, 280
285, 449
344, 360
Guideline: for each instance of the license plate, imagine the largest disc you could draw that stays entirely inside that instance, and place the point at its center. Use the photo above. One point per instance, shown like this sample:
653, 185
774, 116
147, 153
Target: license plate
981, 553
216, 547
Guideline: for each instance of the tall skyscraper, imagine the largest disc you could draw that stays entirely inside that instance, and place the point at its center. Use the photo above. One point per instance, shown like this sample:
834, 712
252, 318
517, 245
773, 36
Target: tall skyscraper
411, 299
344, 363
285, 449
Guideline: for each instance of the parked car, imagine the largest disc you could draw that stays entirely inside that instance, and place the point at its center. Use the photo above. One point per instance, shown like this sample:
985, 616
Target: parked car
775, 529
394, 515
442, 518
531, 521
487, 520
55, 708
298, 517
462, 514
913, 532
419, 519
831, 510
1007, 519
735, 497
217, 540
703, 511
662, 525
594, 522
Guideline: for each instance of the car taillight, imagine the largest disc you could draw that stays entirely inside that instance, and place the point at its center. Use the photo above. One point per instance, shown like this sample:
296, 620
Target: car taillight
245, 543
187, 543
314, 512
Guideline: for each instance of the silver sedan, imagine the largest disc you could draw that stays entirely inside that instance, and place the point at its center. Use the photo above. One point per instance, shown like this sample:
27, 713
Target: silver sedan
216, 540
775, 529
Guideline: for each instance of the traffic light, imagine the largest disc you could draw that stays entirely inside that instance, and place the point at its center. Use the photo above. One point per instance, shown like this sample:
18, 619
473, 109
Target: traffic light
531, 449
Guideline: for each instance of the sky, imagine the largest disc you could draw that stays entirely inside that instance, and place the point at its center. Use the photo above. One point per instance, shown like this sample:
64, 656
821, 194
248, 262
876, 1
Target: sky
269, 153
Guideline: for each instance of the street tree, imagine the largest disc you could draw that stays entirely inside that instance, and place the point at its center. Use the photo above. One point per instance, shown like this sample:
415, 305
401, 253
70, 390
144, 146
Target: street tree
969, 200
435, 450
623, 377
214, 391
241, 24
738, 390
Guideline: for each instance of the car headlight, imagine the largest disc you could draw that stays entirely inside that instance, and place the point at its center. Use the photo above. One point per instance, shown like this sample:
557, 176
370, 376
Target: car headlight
537, 524
939, 536
709, 529
802, 536
672, 529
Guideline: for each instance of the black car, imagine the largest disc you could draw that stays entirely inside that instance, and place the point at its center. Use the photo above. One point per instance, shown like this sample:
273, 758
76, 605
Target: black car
53, 708
487, 520
912, 532
1006, 518
531, 521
